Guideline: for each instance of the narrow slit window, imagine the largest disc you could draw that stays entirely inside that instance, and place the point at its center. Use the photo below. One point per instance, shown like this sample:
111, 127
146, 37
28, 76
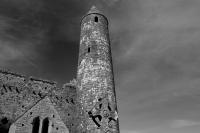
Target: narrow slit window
36, 125
45, 125
96, 19
89, 50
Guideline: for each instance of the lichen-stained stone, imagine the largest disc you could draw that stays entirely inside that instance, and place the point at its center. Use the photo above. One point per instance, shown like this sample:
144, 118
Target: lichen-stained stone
64, 101
41, 87
18, 95
12, 87
95, 81
43, 109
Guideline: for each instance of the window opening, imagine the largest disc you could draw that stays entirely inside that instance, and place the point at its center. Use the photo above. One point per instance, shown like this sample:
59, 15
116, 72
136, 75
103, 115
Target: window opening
36, 125
4, 125
89, 50
45, 125
4, 121
96, 19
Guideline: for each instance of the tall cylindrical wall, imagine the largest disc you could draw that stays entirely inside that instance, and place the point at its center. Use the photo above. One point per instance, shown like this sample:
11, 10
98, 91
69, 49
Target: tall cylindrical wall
96, 92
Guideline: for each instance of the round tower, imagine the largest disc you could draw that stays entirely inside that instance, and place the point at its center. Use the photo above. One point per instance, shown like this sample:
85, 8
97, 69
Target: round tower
95, 81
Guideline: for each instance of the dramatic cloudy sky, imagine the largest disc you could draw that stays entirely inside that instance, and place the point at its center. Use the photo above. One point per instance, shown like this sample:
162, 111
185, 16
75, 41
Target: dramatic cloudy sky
155, 46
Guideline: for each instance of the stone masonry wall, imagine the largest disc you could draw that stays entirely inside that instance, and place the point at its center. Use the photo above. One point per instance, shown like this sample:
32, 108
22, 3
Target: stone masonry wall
64, 101
43, 110
96, 92
19, 93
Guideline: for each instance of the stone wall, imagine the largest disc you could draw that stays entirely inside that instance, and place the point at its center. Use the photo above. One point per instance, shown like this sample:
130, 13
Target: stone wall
19, 93
96, 93
64, 100
43, 110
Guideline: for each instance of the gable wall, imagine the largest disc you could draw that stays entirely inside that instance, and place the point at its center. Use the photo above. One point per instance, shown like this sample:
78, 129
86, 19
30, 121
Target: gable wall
19, 93
43, 109
64, 100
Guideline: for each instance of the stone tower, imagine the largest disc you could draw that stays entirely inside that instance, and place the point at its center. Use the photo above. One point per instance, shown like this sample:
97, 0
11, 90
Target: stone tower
95, 80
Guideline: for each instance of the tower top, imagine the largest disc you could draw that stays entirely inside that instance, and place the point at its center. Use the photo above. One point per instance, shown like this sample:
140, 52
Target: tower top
94, 10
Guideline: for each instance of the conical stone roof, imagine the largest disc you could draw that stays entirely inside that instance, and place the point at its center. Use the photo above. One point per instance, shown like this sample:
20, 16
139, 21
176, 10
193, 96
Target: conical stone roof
94, 10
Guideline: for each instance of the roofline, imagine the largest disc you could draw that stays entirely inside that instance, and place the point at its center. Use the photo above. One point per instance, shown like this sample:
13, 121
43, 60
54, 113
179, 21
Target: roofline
29, 109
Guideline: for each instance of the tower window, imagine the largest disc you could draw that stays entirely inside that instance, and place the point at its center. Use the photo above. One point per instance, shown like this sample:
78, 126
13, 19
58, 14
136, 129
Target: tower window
89, 50
96, 19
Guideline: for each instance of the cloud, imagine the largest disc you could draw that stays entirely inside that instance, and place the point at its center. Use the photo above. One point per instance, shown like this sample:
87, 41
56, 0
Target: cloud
110, 2
9, 54
184, 123
156, 50
129, 131
17, 43
160, 47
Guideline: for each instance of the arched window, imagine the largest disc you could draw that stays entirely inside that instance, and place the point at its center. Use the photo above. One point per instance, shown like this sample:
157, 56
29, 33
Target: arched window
45, 125
36, 125
4, 125
96, 19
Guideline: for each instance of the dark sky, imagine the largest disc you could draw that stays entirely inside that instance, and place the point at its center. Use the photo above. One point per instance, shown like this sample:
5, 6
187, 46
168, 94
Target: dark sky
155, 46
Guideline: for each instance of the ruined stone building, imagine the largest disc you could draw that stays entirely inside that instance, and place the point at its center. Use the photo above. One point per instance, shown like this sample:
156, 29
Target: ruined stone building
85, 105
